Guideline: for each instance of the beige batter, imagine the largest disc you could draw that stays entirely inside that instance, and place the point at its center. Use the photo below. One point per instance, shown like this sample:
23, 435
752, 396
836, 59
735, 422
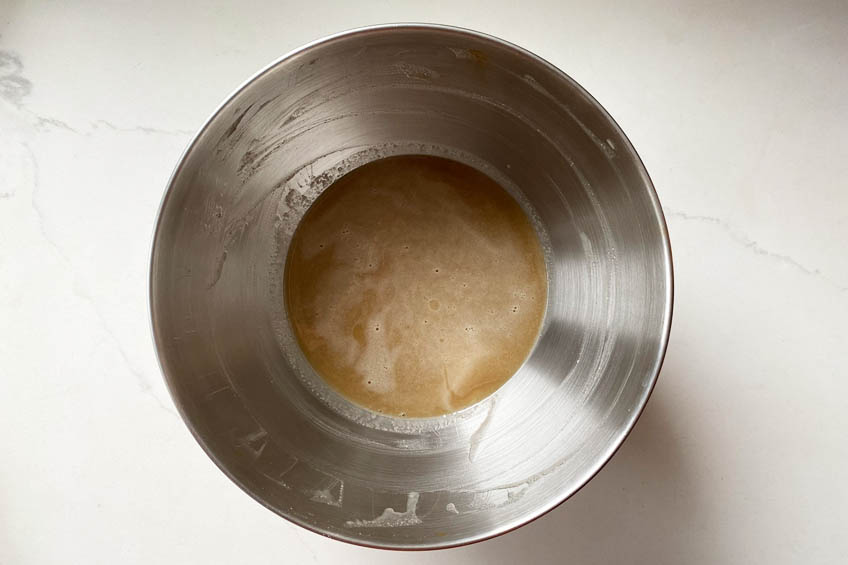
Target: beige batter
416, 286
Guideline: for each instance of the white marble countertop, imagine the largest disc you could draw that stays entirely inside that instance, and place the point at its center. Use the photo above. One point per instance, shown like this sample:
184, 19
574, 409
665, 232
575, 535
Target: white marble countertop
739, 113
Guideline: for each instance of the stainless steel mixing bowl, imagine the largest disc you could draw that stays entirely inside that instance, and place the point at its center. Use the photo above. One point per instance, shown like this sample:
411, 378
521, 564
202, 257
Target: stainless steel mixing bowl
226, 348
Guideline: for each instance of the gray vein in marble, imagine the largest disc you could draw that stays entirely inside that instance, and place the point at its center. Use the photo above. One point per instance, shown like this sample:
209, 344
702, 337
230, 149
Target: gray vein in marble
47, 123
141, 129
304, 543
14, 88
749, 243
44, 123
80, 292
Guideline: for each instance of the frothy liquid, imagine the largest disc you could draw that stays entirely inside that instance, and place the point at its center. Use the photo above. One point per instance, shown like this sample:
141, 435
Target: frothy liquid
415, 286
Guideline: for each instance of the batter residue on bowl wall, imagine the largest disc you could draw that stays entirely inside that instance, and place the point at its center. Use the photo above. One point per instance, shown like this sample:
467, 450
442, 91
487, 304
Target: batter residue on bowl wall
415, 286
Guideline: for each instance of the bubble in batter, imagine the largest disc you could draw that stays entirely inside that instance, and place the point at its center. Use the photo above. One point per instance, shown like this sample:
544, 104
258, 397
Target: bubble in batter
415, 286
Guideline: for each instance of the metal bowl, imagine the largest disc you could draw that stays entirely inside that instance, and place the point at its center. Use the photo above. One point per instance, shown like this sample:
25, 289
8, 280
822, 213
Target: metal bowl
226, 347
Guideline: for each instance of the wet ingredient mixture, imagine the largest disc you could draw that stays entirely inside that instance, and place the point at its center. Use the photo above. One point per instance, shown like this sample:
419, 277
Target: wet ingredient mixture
416, 286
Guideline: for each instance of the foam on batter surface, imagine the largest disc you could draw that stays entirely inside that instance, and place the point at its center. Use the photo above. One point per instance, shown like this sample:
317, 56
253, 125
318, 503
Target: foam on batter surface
415, 286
